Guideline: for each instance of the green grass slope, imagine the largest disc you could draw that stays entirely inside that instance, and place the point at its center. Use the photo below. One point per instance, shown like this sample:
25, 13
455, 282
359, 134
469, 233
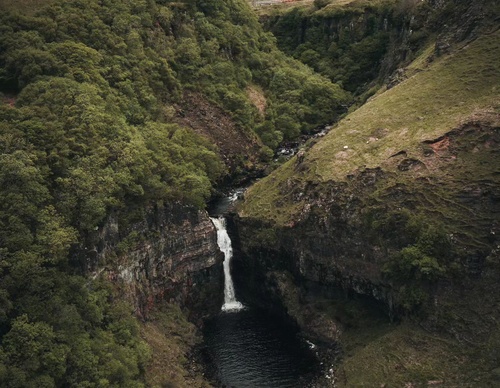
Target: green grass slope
403, 193
442, 93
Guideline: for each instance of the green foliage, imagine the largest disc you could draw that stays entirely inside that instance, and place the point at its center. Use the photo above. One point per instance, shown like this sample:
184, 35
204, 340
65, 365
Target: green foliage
53, 237
345, 42
66, 334
35, 357
418, 265
321, 3
90, 131
415, 263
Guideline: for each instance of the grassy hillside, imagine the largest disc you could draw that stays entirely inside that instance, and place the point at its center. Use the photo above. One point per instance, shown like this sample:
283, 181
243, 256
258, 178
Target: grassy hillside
442, 93
399, 202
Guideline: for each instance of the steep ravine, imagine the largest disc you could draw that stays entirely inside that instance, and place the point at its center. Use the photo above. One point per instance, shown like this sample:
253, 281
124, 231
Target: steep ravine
332, 266
365, 44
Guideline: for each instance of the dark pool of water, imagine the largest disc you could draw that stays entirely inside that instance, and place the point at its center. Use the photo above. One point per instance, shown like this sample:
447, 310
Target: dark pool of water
251, 349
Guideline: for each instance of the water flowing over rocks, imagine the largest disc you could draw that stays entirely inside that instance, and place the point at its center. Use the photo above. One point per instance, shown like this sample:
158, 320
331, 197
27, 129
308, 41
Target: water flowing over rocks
224, 242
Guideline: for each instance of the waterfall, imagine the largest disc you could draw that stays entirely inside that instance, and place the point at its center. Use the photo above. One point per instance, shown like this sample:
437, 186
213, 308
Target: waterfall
224, 242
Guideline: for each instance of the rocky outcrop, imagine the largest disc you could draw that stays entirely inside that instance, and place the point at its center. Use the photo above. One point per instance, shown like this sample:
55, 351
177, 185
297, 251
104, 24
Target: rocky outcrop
328, 247
240, 150
349, 233
171, 255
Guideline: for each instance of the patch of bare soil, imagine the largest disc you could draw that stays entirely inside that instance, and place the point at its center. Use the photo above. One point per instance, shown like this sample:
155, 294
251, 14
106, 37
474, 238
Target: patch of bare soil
237, 147
440, 145
258, 99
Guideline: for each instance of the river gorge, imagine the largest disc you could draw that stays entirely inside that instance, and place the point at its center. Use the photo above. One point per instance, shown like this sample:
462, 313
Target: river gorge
365, 252
247, 346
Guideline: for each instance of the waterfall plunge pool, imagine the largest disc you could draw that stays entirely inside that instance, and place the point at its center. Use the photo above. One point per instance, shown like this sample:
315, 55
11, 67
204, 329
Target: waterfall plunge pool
248, 348
251, 349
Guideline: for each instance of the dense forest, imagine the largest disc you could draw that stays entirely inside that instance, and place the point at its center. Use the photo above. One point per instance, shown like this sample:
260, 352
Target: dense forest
88, 90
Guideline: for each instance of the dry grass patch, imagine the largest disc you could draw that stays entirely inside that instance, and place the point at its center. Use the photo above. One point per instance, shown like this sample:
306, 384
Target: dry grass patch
256, 96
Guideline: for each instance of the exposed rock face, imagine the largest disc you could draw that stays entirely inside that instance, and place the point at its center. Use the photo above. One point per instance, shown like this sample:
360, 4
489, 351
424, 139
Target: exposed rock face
328, 246
348, 231
233, 142
171, 255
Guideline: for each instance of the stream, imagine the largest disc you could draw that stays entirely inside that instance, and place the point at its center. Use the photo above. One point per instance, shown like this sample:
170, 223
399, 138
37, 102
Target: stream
247, 347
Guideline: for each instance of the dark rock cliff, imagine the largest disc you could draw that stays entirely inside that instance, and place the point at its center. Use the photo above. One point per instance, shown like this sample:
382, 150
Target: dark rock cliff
353, 44
445, 204
171, 255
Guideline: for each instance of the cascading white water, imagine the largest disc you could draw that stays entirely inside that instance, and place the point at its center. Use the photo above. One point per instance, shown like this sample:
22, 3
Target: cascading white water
224, 242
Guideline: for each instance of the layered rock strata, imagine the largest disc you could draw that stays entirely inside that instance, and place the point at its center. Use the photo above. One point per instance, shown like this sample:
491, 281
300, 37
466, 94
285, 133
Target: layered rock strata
171, 255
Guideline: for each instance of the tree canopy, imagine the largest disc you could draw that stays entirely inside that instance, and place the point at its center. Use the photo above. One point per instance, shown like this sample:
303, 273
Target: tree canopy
88, 132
